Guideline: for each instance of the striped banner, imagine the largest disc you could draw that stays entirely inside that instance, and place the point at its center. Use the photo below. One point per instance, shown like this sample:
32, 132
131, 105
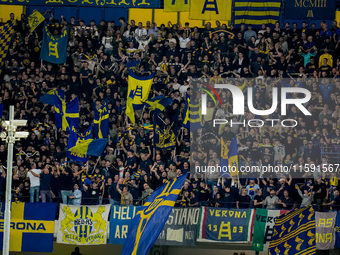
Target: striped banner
257, 12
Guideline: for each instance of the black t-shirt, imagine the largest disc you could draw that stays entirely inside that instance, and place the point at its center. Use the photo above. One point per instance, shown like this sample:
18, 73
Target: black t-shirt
45, 181
66, 181
258, 199
244, 201
336, 205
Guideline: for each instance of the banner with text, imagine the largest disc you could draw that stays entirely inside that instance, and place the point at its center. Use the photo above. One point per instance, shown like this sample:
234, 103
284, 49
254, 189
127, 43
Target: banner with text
325, 230
83, 225
310, 9
120, 219
225, 225
91, 3
180, 228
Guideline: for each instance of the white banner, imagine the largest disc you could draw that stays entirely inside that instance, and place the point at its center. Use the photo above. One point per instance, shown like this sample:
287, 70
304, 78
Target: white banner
83, 225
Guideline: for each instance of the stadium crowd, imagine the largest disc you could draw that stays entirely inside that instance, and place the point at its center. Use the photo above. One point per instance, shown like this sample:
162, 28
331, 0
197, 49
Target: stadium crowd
99, 56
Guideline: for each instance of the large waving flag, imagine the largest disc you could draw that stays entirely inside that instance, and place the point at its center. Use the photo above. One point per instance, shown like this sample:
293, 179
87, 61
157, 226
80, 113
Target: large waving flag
90, 147
54, 47
101, 121
257, 12
32, 227
66, 113
6, 33
35, 19
1, 111
138, 92
192, 114
294, 233
158, 103
139, 89
229, 158
148, 223
75, 137
49, 97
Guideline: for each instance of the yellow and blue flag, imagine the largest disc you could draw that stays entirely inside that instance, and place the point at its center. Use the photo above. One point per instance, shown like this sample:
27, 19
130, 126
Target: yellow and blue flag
139, 89
54, 47
75, 137
138, 92
158, 102
90, 147
165, 130
66, 113
1, 112
6, 33
229, 158
32, 227
35, 19
257, 12
210, 9
176, 5
49, 97
148, 223
101, 124
294, 233
192, 114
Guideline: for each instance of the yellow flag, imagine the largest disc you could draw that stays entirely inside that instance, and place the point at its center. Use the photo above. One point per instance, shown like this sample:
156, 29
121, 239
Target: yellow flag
210, 9
129, 110
35, 19
176, 5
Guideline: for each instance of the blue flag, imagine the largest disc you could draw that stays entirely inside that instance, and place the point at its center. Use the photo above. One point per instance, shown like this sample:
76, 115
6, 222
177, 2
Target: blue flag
32, 227
337, 231
148, 223
101, 125
158, 103
90, 147
165, 131
294, 233
1, 111
75, 137
192, 114
66, 113
49, 97
54, 47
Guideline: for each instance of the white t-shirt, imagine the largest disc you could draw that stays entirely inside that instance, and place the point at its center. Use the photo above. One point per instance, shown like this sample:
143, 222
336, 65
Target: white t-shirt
183, 42
34, 181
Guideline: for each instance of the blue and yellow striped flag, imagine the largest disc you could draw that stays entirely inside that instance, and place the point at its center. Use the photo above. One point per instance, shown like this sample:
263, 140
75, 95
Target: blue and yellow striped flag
192, 114
294, 233
66, 112
32, 227
257, 12
90, 147
148, 223
35, 19
101, 124
6, 33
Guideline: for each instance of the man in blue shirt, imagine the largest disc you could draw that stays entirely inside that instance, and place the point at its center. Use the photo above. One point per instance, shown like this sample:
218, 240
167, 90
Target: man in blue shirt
75, 199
